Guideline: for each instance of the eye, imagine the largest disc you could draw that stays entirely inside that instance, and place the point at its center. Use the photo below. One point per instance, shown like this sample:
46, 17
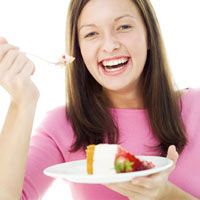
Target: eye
91, 35
125, 27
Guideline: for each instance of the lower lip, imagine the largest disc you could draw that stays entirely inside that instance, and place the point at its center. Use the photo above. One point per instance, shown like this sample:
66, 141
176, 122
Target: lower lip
115, 73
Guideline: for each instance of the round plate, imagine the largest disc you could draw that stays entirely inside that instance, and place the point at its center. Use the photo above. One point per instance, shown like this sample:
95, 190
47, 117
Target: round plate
75, 171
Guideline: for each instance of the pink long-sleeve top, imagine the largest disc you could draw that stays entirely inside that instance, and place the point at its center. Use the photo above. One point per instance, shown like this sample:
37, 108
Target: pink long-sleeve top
51, 144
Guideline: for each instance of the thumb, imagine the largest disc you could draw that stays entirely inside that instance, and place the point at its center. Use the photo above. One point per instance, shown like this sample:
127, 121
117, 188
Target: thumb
3, 40
172, 154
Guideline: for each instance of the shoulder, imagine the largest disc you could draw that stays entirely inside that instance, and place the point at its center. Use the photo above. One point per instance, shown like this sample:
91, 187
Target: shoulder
55, 122
56, 130
191, 93
190, 110
57, 114
190, 99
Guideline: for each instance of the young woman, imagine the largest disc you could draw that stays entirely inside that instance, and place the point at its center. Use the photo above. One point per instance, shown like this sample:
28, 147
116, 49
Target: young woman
119, 91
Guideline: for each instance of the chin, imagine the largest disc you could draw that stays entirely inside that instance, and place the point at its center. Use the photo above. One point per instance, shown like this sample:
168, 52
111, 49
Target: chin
118, 88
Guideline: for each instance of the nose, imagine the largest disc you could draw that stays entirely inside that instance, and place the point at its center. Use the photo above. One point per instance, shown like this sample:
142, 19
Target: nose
110, 43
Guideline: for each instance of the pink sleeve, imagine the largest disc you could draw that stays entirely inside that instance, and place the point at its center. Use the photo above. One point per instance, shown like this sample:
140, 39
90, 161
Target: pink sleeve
44, 152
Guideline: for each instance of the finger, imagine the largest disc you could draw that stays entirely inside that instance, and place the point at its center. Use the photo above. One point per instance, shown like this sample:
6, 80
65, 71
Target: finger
4, 48
145, 182
152, 181
122, 190
140, 190
8, 60
125, 186
3, 40
18, 64
131, 190
28, 69
173, 155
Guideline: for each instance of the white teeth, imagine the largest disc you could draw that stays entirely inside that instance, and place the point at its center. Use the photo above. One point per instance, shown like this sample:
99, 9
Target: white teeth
115, 62
112, 69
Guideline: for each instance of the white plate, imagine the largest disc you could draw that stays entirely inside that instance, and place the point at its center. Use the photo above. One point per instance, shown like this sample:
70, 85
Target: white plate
75, 171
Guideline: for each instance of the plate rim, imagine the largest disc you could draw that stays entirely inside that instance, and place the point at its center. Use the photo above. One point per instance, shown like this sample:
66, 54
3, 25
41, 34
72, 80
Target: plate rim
97, 179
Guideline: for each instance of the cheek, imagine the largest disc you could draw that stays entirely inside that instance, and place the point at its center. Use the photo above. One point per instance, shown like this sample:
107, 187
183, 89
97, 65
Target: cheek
85, 54
136, 45
88, 58
141, 41
88, 53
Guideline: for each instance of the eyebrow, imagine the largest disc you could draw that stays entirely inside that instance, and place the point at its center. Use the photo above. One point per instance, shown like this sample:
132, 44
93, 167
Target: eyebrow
117, 19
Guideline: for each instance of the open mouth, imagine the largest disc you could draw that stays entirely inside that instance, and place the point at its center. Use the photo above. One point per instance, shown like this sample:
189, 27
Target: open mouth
115, 65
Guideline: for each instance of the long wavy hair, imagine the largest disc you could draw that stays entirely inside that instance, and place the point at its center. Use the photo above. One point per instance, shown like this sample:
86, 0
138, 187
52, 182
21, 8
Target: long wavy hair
88, 107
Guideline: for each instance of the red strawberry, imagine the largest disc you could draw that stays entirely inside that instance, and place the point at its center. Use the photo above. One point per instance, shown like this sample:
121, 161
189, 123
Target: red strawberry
126, 162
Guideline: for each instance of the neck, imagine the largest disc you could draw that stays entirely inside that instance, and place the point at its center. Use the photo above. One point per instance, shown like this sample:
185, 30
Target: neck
125, 99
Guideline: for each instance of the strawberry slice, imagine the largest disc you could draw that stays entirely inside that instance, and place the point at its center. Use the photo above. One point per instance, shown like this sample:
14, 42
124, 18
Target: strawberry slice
126, 162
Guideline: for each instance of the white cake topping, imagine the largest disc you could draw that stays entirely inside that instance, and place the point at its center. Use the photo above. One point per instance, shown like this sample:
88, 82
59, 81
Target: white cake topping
104, 158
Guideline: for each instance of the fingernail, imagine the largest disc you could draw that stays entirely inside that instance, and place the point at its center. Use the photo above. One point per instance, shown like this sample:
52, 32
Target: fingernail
3, 40
16, 47
174, 147
134, 181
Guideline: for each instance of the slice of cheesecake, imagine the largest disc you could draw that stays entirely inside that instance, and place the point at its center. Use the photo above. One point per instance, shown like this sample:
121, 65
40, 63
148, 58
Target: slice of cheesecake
112, 159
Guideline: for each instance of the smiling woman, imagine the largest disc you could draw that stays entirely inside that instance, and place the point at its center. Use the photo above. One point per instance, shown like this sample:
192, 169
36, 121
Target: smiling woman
116, 37
119, 90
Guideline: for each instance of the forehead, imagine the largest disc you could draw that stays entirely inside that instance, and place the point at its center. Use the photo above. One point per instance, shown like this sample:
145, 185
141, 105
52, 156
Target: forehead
102, 10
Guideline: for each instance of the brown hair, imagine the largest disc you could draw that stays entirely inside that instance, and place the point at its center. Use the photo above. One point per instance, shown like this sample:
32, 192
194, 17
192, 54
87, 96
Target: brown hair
87, 107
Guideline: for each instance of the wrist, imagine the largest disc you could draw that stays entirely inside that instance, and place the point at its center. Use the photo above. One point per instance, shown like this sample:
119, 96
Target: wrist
24, 108
167, 191
175, 193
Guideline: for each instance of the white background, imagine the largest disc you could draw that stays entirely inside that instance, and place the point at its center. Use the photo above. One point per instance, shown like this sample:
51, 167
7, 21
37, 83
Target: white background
38, 26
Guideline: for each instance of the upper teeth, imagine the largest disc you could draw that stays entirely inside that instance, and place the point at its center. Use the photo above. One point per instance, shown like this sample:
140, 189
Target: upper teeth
115, 62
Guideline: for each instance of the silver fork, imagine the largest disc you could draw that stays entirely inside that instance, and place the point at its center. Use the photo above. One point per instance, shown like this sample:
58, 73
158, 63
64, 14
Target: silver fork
62, 61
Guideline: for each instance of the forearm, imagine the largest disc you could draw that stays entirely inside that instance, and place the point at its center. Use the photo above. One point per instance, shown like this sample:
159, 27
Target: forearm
14, 143
175, 193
